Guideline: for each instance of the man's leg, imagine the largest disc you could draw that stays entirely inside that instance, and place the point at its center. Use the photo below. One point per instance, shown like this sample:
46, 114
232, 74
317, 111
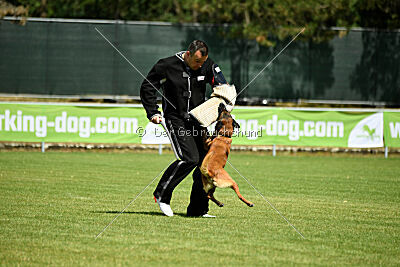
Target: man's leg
164, 181
175, 173
178, 170
198, 205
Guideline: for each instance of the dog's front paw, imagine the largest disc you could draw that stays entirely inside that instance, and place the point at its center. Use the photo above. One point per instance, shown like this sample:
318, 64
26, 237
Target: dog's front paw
250, 205
220, 205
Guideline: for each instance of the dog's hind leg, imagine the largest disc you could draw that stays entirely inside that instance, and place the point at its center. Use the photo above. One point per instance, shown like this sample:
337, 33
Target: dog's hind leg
235, 187
224, 180
211, 196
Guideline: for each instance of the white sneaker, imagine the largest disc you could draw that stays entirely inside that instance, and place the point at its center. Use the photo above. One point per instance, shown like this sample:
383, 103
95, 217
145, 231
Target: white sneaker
208, 216
165, 208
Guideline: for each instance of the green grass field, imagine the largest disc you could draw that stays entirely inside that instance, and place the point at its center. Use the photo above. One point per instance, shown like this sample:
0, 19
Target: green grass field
54, 204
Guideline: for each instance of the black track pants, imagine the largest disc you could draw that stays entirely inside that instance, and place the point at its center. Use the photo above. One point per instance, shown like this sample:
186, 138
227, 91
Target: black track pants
188, 141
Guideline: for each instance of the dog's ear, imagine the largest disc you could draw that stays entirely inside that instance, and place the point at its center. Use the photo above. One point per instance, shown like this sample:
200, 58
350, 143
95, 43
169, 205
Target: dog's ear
235, 124
221, 108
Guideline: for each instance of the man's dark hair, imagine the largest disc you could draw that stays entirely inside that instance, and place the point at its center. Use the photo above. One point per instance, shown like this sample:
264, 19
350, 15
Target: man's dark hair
198, 45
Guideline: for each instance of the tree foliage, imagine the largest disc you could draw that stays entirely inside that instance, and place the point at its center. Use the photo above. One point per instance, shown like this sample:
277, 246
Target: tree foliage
9, 9
251, 19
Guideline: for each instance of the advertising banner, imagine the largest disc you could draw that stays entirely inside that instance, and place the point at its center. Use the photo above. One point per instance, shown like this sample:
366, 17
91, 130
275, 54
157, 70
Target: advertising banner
392, 129
72, 123
100, 123
313, 127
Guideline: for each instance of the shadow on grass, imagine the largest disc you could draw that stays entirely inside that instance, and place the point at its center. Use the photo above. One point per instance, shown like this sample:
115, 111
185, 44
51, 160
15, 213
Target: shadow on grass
152, 213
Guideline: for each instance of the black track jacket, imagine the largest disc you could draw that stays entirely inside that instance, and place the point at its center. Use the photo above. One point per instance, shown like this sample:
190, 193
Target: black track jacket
183, 87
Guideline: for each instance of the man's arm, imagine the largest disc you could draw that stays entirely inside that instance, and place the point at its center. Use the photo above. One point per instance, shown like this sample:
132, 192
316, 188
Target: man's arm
148, 94
217, 76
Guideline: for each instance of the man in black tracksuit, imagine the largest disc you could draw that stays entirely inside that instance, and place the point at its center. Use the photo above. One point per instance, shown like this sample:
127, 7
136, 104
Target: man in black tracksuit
182, 79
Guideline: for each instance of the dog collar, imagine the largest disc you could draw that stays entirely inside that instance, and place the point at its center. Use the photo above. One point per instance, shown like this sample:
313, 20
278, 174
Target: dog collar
224, 135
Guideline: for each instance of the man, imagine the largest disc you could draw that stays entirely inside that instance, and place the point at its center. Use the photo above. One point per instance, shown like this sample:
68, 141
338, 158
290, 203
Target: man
183, 78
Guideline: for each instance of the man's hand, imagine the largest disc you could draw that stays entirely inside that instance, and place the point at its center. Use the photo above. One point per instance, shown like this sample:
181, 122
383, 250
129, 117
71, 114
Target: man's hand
157, 118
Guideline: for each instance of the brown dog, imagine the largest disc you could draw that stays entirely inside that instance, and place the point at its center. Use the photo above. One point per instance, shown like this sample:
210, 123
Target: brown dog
212, 168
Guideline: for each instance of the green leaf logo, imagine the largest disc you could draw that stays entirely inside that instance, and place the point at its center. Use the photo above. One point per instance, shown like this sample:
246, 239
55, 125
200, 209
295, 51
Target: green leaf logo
368, 132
